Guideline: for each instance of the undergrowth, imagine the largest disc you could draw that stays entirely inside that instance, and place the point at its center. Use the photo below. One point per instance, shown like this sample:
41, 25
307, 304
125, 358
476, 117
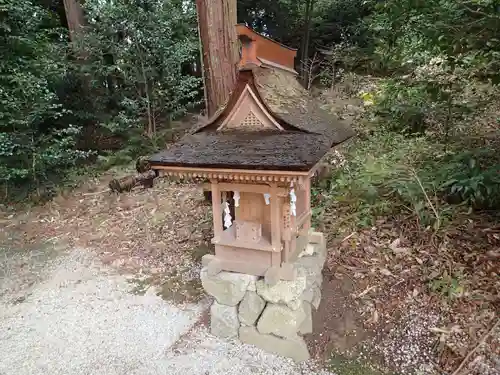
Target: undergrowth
387, 173
131, 146
412, 215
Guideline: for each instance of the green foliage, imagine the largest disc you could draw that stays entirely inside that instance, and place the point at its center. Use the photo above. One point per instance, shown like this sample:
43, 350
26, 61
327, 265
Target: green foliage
438, 57
132, 66
472, 177
434, 97
331, 20
447, 285
281, 20
408, 33
400, 106
340, 21
137, 54
389, 173
136, 144
382, 173
35, 140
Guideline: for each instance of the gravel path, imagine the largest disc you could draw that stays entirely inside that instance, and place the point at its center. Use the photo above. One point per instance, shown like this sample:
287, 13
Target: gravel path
75, 316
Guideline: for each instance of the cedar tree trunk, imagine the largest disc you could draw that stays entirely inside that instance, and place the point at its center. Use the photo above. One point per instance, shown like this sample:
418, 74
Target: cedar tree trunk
219, 50
75, 17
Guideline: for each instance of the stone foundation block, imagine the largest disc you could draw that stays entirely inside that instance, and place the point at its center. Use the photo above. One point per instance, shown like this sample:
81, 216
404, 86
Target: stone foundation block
280, 320
316, 296
228, 288
285, 292
307, 325
271, 316
294, 348
321, 252
312, 295
308, 251
252, 287
250, 308
308, 295
313, 267
224, 320
319, 279
316, 238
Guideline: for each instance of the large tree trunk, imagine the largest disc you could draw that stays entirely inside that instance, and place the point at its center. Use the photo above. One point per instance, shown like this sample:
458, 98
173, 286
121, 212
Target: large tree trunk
219, 48
75, 17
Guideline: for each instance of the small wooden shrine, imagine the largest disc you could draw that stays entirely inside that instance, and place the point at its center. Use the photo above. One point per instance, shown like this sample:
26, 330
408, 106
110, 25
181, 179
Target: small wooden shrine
263, 148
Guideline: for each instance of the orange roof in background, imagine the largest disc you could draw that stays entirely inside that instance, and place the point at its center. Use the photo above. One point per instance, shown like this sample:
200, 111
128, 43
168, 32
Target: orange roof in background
260, 50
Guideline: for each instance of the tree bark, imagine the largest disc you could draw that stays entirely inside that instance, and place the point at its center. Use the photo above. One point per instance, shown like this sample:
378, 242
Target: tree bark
305, 39
128, 183
219, 50
75, 17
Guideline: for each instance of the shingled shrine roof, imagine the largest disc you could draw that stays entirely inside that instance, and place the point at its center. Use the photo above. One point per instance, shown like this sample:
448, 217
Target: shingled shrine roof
269, 123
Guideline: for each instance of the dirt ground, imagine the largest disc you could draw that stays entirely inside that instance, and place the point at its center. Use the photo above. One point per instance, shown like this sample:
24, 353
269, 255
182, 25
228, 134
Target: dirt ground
366, 324
397, 298
373, 320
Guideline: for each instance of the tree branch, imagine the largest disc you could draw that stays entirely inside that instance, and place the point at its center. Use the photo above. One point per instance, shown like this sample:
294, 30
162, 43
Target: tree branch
477, 11
483, 339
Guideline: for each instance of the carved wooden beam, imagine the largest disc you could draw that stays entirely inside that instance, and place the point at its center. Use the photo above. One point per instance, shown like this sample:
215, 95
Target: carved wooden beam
233, 175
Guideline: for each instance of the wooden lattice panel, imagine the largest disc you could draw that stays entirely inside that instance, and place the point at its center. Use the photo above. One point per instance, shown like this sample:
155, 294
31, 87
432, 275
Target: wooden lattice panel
250, 123
249, 114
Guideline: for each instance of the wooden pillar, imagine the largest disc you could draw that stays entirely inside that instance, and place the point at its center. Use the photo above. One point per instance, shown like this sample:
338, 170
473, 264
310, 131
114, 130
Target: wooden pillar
285, 217
275, 226
307, 195
293, 241
217, 210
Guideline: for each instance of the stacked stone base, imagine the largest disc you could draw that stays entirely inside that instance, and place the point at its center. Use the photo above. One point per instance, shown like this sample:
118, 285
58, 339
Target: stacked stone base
273, 318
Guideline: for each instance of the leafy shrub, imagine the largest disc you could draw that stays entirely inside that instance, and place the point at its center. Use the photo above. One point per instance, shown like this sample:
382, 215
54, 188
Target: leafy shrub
136, 53
434, 52
449, 286
379, 176
473, 178
433, 98
57, 98
391, 173
402, 107
36, 142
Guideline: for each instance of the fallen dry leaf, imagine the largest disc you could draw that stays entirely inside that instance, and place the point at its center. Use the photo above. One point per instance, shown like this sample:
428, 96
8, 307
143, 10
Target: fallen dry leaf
386, 272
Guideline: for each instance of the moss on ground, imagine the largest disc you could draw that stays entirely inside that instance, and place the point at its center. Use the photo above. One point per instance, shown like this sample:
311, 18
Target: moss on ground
175, 287
344, 366
179, 290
